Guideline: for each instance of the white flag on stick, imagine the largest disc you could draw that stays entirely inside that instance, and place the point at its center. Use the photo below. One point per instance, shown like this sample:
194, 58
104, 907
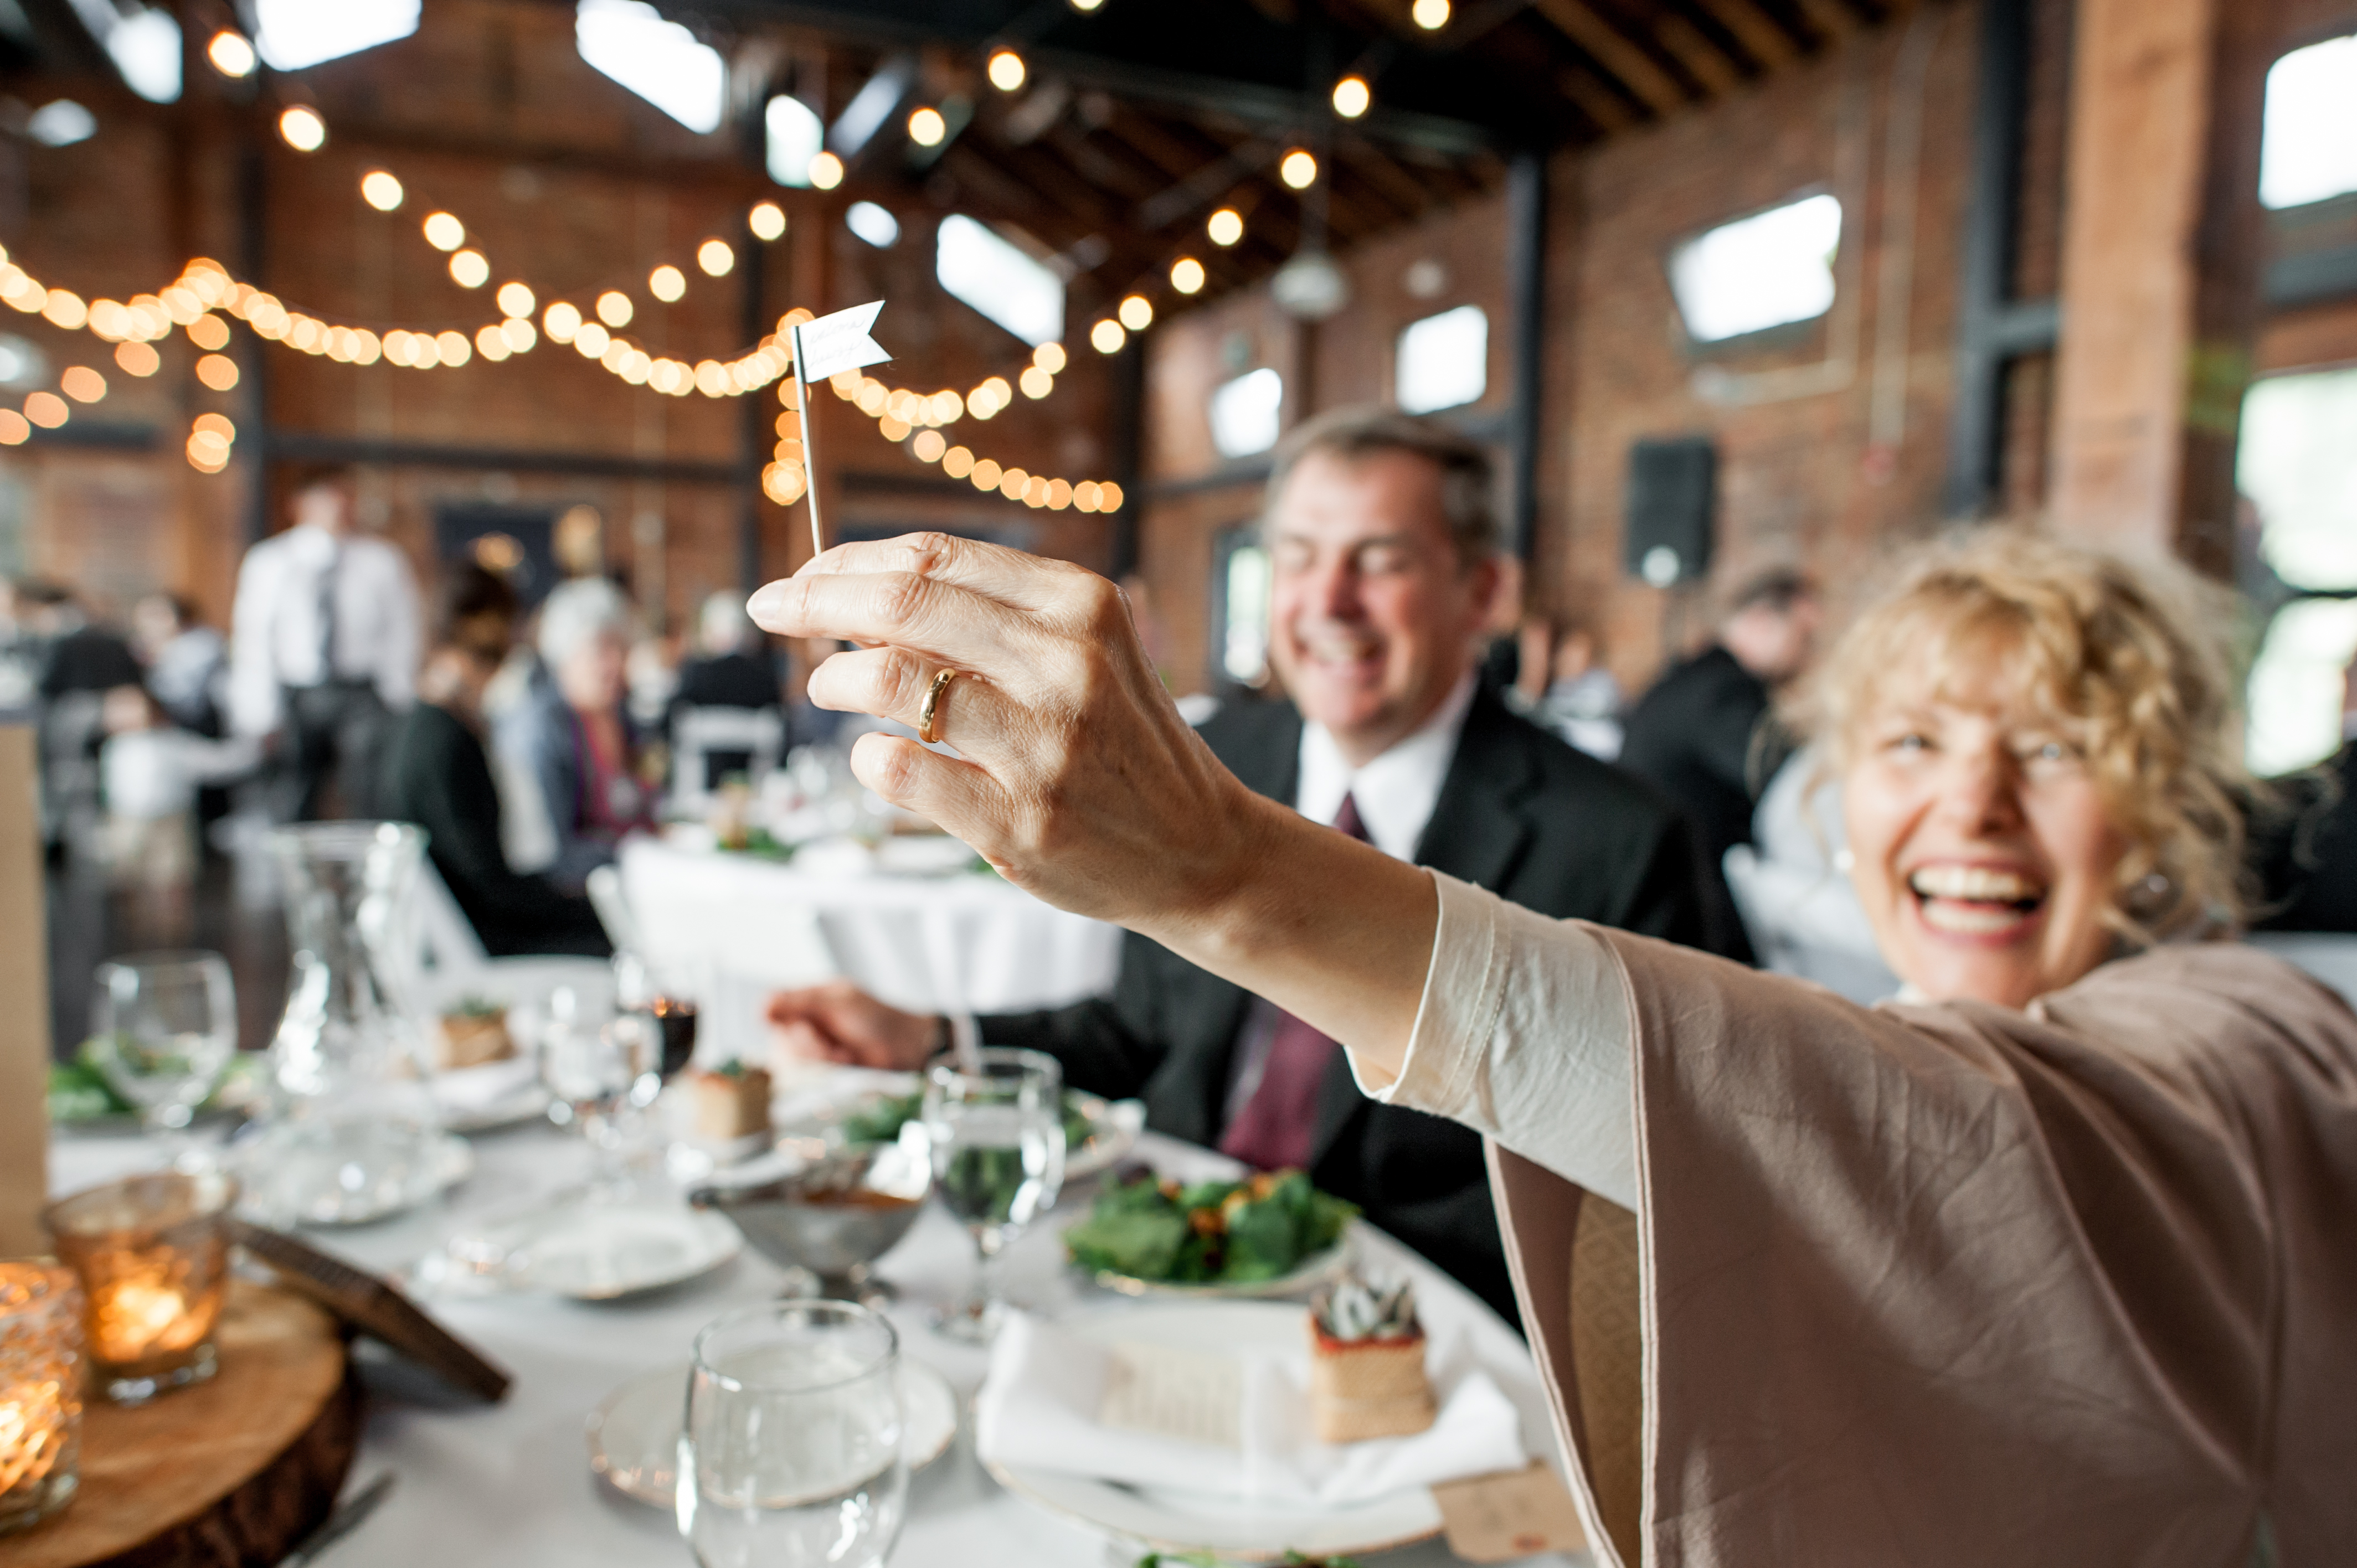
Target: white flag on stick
828, 346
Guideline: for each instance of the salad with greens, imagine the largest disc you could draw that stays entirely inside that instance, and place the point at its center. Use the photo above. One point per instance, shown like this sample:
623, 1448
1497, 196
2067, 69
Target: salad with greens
1209, 1232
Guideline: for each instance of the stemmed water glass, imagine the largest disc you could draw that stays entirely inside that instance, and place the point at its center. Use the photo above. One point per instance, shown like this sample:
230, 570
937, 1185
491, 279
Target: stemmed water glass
995, 1123
589, 1067
790, 1456
162, 1029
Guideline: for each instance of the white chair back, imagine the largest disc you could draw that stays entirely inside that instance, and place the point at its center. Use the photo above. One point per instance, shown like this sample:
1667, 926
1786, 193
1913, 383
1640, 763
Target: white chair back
1808, 923
698, 732
441, 962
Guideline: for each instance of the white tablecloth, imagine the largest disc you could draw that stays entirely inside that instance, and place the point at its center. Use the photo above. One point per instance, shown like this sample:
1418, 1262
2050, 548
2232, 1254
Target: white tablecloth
510, 1484
964, 941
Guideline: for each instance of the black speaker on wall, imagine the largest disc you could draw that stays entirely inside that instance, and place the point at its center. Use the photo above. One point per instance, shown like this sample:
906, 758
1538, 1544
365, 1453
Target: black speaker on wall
1672, 497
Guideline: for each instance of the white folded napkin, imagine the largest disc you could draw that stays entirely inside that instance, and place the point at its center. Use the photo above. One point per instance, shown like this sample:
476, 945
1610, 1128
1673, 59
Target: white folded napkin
1039, 1407
477, 1089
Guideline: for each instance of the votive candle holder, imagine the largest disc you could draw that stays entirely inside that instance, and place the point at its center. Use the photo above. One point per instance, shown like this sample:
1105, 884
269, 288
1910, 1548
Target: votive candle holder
153, 1255
40, 1390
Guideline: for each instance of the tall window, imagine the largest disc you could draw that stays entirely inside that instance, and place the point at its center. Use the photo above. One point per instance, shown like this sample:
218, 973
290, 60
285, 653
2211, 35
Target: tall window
991, 274
1240, 594
2298, 464
795, 136
2308, 150
1767, 270
292, 35
1245, 413
1443, 361
657, 59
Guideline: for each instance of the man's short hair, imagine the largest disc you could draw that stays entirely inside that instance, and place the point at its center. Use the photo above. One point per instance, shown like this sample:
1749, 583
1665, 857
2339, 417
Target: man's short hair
1467, 475
470, 592
1776, 589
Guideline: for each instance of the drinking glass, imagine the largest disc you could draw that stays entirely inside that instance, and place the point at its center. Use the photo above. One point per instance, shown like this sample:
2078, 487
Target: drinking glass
995, 1126
162, 1029
589, 1067
791, 1454
658, 1001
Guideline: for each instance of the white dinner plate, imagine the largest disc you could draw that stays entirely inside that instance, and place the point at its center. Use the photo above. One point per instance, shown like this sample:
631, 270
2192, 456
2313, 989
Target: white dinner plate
599, 1252
494, 1095
269, 1166
1164, 1519
634, 1434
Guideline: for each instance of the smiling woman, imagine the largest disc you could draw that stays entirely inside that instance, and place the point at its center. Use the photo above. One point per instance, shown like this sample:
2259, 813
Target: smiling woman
2077, 1213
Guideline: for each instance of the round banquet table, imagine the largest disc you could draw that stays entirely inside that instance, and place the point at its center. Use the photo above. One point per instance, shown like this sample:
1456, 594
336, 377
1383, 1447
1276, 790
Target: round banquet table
510, 1483
963, 942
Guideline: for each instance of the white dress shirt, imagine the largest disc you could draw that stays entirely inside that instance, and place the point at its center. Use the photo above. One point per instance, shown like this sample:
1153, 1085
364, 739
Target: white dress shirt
1398, 790
275, 633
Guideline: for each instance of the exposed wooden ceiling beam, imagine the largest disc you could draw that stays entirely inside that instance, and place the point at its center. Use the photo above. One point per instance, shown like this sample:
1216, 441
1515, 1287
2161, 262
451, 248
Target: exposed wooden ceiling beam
1619, 56
1755, 30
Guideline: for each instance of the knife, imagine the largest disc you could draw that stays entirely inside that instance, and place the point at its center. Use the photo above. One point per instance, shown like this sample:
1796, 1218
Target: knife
347, 1516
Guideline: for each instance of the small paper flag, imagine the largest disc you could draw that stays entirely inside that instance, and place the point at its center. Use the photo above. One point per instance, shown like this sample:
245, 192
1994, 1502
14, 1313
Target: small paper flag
840, 342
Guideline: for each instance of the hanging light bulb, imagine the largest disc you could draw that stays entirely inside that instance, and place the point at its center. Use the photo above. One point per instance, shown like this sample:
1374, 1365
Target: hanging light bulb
1430, 15
444, 232
514, 299
380, 190
1137, 313
715, 258
1186, 275
614, 308
1226, 226
1299, 170
1351, 97
927, 128
230, 53
1106, 337
768, 220
667, 283
825, 171
468, 269
303, 129
1007, 70
1050, 356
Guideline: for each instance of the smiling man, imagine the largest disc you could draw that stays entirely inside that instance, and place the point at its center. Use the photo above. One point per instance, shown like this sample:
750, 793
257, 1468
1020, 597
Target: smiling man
1386, 550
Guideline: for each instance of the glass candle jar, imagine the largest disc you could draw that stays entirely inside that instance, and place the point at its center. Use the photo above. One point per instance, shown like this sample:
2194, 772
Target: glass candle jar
153, 1254
40, 1390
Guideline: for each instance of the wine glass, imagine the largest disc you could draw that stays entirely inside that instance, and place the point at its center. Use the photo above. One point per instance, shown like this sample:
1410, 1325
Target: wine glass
162, 1029
996, 1124
588, 1068
791, 1454
659, 1000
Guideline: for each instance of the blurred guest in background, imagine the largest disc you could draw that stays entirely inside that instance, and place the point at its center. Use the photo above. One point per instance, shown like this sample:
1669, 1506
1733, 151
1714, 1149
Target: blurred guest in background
73, 653
1704, 734
2307, 855
150, 771
186, 660
1573, 693
732, 667
73, 665
438, 776
1384, 544
573, 739
324, 650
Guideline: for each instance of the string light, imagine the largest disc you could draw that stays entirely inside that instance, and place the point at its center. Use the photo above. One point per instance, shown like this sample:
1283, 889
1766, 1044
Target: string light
303, 129
1351, 97
1299, 170
614, 308
667, 283
1430, 15
1050, 356
470, 269
1006, 72
514, 299
444, 232
208, 331
83, 384
15, 428
1106, 337
561, 321
825, 171
218, 371
381, 190
768, 220
1035, 383
47, 409
1186, 275
137, 359
1226, 226
1137, 313
230, 53
927, 128
715, 258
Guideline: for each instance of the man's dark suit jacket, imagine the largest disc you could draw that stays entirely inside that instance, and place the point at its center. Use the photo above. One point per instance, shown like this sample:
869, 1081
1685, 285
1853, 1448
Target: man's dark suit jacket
437, 777
2307, 857
1520, 813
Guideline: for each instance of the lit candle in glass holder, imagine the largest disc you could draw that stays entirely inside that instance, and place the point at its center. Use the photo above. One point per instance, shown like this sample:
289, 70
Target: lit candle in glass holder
40, 1392
153, 1254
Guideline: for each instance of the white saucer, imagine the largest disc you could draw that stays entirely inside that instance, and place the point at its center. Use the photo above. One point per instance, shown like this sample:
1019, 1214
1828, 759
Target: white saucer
634, 1433
599, 1251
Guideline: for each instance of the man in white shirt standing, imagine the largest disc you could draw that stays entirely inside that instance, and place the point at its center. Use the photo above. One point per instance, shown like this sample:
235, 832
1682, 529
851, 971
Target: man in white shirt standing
323, 651
1384, 545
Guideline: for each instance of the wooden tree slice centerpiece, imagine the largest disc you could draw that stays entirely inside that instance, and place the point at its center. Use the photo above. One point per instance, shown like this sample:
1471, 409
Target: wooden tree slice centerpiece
233, 1471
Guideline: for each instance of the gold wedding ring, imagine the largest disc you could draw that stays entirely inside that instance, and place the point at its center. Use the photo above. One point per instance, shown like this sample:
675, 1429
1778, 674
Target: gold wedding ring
940, 682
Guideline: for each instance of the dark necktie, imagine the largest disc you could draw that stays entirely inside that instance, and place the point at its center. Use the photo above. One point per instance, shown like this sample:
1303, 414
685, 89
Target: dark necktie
1276, 1126
327, 613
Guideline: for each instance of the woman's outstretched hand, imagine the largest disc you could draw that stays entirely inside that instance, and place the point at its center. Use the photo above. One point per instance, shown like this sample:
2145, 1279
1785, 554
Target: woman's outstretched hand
1076, 778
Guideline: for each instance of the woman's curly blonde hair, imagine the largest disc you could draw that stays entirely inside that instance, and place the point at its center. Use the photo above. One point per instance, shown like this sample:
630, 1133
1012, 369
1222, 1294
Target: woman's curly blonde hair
2128, 655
